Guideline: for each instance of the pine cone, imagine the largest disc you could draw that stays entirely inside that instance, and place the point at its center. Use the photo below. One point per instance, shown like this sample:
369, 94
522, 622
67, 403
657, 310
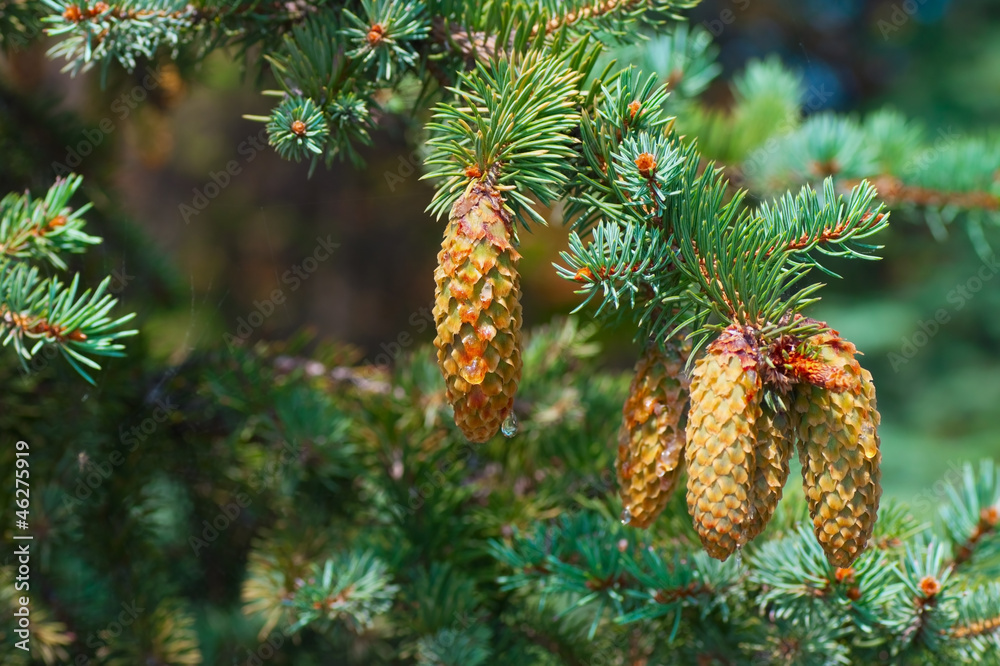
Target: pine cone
650, 440
477, 310
774, 449
839, 452
725, 406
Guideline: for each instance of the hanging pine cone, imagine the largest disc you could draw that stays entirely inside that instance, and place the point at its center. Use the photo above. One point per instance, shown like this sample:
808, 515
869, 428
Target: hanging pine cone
650, 440
839, 452
725, 406
477, 311
774, 449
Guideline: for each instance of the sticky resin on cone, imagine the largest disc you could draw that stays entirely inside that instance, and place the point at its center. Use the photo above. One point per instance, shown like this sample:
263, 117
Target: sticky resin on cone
651, 440
477, 311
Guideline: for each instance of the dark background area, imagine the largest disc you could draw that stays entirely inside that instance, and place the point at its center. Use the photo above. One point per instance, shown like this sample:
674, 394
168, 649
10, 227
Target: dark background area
941, 65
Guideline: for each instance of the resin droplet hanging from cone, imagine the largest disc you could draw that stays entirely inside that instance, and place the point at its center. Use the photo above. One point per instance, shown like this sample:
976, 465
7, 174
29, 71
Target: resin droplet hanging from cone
477, 311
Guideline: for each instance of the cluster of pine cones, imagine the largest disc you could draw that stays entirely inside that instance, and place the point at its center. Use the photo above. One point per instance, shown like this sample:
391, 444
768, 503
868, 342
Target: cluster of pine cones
735, 446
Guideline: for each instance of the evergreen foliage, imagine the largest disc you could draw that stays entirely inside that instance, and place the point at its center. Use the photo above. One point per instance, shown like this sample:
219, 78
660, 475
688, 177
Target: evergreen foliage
420, 547
36, 311
338, 502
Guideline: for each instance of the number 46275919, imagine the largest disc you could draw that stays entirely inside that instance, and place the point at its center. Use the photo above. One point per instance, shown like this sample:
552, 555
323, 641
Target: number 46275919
22, 475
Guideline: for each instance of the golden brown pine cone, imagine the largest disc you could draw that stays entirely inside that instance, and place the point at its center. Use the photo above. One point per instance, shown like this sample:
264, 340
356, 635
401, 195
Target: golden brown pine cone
650, 440
725, 406
774, 449
839, 452
477, 311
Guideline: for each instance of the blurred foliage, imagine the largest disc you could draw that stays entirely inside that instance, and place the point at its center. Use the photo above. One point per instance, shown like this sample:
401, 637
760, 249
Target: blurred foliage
264, 502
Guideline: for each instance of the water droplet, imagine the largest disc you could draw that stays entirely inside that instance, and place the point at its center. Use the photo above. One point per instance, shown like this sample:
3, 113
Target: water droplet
626, 516
661, 471
739, 558
509, 427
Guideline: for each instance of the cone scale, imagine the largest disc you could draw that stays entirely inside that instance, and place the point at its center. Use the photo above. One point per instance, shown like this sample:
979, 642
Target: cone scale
477, 312
773, 452
650, 440
720, 454
839, 452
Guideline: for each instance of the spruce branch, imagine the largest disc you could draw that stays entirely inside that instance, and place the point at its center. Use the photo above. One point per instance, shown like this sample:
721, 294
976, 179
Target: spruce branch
629, 104
767, 147
920, 612
350, 587
826, 222
42, 229
721, 249
456, 647
797, 581
511, 130
382, 39
972, 514
297, 129
978, 622
325, 107
36, 311
648, 167
666, 586
102, 32
617, 263
767, 99
612, 16
682, 56
896, 193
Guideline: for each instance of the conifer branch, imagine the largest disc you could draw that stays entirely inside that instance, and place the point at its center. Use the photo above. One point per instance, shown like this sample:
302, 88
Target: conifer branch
36, 311
605, 14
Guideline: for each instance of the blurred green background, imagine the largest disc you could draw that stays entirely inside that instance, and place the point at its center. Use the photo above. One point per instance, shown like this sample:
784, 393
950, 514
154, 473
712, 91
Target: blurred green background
201, 273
